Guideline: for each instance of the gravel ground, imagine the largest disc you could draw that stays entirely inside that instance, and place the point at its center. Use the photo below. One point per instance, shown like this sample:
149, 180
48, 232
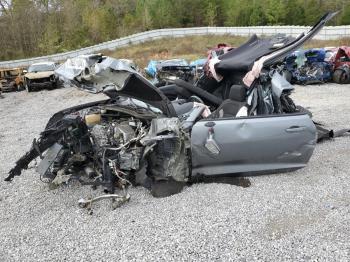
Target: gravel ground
299, 216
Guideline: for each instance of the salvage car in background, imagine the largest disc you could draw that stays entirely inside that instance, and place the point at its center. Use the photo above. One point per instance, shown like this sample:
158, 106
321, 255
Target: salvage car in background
164, 72
169, 70
11, 79
138, 136
308, 67
341, 65
40, 76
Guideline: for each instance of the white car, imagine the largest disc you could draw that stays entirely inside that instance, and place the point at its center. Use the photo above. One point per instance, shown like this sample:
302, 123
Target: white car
40, 75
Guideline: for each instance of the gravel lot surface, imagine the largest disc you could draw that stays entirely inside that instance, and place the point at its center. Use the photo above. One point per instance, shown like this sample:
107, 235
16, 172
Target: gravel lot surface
299, 216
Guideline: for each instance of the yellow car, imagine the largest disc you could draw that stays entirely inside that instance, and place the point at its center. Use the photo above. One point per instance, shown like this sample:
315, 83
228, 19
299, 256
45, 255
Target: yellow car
11, 79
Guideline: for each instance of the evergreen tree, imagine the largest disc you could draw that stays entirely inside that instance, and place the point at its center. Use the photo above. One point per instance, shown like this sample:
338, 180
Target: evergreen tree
345, 16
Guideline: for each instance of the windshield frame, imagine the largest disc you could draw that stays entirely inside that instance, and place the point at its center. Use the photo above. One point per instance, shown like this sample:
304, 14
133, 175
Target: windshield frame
41, 68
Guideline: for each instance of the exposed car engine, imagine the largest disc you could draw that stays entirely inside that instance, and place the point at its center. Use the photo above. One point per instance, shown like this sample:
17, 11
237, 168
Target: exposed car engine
106, 145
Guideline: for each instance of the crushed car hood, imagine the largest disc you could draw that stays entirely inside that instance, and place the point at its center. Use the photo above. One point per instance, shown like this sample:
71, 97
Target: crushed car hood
39, 75
95, 72
115, 77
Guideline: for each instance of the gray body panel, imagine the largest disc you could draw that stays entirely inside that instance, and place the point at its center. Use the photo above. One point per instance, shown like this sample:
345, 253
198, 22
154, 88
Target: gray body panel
274, 142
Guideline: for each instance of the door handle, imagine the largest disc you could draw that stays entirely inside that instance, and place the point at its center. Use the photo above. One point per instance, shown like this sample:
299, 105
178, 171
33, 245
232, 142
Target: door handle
209, 124
295, 129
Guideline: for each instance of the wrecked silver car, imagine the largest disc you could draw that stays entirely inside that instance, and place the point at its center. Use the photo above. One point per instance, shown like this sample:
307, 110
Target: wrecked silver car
138, 136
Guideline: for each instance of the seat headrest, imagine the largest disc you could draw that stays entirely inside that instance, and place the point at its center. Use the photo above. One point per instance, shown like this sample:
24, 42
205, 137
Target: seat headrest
238, 93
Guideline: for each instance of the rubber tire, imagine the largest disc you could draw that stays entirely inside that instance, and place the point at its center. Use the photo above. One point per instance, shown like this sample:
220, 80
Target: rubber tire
20, 87
53, 86
28, 88
341, 77
60, 84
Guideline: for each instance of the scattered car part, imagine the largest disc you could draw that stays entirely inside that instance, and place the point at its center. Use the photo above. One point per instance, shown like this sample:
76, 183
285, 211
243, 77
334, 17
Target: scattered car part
324, 134
118, 200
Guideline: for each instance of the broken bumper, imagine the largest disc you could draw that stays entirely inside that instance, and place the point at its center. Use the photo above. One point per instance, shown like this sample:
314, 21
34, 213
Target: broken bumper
47, 84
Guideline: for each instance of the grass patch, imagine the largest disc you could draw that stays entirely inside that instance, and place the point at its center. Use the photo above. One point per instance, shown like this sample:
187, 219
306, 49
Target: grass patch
193, 47
189, 48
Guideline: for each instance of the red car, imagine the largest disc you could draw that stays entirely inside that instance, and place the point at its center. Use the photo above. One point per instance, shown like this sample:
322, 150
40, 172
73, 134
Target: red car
341, 63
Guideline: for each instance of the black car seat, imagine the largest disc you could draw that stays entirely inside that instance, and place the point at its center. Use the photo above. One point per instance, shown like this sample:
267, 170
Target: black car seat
173, 91
180, 98
230, 107
209, 99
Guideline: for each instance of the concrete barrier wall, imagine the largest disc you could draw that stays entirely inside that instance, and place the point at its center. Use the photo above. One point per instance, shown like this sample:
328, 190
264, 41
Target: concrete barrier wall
327, 33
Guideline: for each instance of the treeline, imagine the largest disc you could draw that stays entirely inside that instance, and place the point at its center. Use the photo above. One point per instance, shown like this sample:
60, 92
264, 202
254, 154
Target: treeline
40, 27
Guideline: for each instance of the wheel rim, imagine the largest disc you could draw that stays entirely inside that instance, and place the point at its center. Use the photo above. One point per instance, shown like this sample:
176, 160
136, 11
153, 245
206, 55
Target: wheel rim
345, 77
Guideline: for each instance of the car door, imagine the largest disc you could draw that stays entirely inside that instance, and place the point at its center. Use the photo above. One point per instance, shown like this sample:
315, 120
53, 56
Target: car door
252, 144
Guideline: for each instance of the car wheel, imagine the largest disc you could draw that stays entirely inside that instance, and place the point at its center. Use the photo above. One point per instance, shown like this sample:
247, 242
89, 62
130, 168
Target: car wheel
28, 88
20, 87
55, 85
52, 87
341, 76
60, 84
